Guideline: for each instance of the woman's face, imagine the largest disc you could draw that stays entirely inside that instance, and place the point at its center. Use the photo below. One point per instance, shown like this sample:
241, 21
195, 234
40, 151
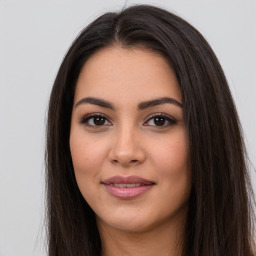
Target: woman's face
128, 140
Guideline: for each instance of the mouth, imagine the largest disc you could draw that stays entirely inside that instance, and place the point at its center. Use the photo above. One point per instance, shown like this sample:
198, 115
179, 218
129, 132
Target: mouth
127, 187
121, 185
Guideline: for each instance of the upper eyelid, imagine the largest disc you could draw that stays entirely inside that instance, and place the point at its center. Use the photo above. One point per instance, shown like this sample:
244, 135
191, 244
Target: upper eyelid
88, 116
91, 115
171, 120
160, 114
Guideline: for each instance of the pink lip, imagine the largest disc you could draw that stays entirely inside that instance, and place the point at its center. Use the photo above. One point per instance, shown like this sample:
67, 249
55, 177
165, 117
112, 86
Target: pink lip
141, 186
127, 180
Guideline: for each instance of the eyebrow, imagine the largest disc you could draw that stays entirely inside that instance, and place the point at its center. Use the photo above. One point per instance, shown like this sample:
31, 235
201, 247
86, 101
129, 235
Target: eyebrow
141, 106
95, 101
159, 101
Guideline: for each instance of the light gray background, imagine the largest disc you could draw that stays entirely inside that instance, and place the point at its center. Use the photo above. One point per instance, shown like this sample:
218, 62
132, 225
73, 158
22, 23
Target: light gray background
34, 36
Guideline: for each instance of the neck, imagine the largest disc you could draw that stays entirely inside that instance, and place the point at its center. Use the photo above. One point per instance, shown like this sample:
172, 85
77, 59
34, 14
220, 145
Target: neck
165, 240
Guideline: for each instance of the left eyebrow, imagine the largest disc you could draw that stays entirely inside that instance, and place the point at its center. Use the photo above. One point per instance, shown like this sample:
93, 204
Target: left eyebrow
159, 101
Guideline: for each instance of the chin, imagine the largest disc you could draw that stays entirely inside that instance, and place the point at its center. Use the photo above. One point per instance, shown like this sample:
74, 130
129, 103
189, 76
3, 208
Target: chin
137, 221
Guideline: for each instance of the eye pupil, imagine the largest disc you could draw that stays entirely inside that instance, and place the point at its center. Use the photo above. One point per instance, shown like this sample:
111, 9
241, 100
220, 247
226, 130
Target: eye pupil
159, 121
99, 120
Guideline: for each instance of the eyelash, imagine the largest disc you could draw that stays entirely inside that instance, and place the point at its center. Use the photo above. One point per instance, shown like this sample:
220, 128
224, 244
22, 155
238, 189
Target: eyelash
166, 118
171, 121
85, 120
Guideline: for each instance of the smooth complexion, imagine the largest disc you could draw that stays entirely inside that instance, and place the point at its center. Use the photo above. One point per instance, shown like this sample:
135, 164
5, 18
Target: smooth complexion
129, 149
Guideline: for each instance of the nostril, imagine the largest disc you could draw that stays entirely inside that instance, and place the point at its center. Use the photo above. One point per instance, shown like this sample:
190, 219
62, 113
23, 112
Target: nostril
126, 156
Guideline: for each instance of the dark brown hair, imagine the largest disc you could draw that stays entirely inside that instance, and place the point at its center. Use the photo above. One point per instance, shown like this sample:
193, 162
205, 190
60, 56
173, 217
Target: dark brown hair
220, 215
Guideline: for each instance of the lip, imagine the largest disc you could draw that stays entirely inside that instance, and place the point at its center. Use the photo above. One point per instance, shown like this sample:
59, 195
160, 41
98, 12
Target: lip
127, 187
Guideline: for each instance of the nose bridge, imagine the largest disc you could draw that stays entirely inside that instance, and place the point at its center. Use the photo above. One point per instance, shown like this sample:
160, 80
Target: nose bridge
125, 140
126, 149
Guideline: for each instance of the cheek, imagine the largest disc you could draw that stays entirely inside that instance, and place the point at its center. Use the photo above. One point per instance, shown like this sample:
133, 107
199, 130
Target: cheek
87, 153
85, 163
87, 157
171, 159
172, 154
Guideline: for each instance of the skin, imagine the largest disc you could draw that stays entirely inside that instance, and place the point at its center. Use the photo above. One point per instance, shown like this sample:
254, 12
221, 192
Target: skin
130, 141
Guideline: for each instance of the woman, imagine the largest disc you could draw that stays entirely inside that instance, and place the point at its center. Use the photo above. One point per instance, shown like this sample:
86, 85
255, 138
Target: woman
144, 148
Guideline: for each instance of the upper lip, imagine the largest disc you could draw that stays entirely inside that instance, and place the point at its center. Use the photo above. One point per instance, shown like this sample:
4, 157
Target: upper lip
127, 180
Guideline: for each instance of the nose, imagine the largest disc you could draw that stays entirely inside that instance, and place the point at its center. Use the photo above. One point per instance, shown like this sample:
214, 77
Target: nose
126, 149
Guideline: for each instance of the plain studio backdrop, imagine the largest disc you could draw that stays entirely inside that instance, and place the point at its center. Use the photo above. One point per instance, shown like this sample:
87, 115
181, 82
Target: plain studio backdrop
34, 36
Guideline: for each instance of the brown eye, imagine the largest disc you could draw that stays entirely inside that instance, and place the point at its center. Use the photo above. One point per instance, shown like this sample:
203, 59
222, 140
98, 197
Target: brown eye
95, 120
160, 120
98, 120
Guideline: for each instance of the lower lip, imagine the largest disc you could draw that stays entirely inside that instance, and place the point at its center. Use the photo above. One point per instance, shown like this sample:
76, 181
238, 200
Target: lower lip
127, 193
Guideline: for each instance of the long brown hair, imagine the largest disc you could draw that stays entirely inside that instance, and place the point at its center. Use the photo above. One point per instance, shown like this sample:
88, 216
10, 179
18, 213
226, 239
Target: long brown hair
220, 214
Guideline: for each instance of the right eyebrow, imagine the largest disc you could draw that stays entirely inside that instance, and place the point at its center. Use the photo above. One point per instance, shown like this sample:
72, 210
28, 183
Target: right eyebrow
95, 101
159, 101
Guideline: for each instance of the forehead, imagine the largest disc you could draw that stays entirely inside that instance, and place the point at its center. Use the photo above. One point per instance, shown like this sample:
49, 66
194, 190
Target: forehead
127, 74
